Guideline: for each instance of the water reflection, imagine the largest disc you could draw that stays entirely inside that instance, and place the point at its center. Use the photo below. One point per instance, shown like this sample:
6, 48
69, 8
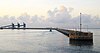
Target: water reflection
80, 43
28, 41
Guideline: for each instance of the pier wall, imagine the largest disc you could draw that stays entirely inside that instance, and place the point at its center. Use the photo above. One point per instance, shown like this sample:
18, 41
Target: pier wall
77, 35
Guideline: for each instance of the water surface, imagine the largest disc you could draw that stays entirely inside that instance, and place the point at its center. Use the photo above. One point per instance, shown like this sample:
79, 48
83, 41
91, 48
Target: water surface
33, 41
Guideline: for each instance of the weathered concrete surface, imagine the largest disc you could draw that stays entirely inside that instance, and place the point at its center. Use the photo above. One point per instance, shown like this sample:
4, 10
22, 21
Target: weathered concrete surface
77, 35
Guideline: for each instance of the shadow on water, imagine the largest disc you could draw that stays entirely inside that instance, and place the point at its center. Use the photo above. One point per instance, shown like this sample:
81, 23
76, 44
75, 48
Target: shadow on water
82, 46
80, 43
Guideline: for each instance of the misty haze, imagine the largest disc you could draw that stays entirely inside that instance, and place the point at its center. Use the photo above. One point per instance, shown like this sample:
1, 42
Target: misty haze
49, 26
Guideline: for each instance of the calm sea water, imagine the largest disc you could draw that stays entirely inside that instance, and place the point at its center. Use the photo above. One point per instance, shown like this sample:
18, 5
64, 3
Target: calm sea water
33, 41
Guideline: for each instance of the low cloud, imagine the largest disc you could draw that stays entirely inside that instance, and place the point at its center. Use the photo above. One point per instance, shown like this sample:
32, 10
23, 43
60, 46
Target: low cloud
59, 17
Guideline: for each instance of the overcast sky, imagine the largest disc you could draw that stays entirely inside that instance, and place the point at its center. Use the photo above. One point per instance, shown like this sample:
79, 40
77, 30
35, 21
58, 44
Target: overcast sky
41, 7
51, 13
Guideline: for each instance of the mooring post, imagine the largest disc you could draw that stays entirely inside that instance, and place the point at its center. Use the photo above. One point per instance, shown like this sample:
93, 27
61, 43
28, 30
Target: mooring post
13, 26
18, 25
1, 28
50, 30
24, 25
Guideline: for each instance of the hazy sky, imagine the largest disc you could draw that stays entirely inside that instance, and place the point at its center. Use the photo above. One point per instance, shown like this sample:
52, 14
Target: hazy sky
41, 7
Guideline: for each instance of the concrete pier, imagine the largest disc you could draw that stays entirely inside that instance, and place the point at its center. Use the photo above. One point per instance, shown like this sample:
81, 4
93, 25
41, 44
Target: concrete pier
77, 35
73, 35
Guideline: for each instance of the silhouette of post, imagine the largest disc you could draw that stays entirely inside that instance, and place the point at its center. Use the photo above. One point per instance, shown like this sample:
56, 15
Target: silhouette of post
51, 29
13, 26
80, 25
18, 25
24, 25
80, 22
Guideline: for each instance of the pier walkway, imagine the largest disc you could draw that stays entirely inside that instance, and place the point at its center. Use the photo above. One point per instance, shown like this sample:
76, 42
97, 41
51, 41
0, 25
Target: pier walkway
73, 35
